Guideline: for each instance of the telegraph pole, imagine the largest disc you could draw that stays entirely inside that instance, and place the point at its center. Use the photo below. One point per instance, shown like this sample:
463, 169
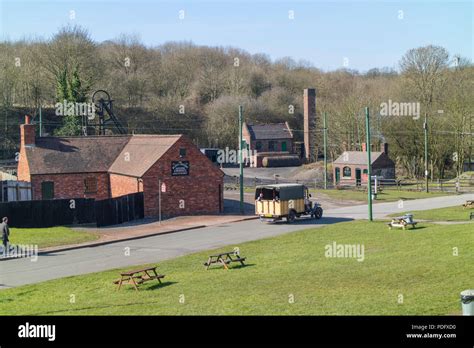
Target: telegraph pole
159, 201
241, 177
425, 127
325, 151
41, 122
369, 163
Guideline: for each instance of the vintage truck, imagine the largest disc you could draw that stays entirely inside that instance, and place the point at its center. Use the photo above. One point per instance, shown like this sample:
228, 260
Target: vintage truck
289, 201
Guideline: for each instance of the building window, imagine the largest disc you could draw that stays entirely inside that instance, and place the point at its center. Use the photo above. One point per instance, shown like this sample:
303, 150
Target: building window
271, 146
182, 152
90, 185
47, 190
346, 172
283, 146
258, 145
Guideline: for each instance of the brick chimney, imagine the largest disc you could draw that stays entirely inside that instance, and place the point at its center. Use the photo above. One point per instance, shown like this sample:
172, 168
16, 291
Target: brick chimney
309, 123
27, 133
364, 147
384, 148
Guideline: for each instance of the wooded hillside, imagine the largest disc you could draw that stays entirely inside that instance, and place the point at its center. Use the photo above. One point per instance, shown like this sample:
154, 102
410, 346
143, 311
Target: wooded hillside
196, 90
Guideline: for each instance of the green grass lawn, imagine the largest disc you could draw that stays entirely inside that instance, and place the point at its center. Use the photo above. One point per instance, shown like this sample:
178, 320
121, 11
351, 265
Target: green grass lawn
388, 195
48, 237
456, 213
417, 264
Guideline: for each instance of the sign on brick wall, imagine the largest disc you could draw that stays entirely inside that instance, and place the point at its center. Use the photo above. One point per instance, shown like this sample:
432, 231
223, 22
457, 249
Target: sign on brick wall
179, 168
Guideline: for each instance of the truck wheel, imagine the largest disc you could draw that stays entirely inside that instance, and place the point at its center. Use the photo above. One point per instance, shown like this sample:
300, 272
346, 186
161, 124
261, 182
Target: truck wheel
318, 213
291, 216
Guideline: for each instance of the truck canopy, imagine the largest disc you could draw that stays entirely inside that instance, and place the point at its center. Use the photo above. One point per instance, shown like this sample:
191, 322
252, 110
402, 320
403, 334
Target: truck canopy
283, 191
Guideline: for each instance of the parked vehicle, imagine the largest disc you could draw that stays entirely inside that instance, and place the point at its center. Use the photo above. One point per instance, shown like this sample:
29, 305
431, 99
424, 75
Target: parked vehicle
289, 201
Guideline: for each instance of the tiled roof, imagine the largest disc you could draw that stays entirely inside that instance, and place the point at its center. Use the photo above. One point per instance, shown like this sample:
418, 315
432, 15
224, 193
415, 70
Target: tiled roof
125, 154
141, 152
55, 155
357, 157
269, 131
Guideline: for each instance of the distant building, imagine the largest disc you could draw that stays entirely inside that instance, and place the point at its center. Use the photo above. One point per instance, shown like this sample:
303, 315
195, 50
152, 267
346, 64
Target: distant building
350, 168
272, 137
272, 143
211, 153
468, 165
8, 169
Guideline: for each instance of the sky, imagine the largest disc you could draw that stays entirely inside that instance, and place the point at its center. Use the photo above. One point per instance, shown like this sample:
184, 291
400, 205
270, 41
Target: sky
329, 34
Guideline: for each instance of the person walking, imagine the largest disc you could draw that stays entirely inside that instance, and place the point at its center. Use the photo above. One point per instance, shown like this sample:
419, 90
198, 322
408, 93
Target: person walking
5, 231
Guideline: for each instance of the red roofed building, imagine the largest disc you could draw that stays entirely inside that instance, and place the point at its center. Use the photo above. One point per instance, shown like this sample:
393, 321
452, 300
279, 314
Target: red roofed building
104, 167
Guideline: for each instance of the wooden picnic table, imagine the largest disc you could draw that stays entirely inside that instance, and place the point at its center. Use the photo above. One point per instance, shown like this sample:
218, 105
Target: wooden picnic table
468, 204
401, 222
138, 276
224, 259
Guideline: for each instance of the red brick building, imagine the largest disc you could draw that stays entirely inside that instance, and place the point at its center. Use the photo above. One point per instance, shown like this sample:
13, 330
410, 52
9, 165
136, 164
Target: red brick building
104, 167
268, 140
273, 137
350, 168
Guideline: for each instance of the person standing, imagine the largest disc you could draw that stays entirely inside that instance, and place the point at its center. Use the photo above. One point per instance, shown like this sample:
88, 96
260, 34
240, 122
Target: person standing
5, 231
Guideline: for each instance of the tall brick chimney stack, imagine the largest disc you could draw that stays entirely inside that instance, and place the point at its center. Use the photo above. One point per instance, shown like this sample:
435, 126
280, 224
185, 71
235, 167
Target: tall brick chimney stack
27, 133
384, 148
309, 123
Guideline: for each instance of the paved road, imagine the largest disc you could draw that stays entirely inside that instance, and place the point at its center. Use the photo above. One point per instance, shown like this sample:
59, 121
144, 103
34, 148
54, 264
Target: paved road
381, 210
153, 249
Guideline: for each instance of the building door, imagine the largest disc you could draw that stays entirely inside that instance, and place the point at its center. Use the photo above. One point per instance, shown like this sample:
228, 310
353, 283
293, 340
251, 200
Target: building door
283, 146
338, 174
47, 190
358, 177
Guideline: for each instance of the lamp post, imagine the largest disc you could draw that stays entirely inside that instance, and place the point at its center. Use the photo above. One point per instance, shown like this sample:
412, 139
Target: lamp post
325, 151
369, 163
241, 176
425, 127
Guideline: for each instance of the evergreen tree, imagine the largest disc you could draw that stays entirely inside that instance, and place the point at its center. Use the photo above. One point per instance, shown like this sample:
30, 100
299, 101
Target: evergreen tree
69, 88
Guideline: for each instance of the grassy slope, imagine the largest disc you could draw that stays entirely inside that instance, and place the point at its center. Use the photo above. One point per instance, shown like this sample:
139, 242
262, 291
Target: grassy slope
47, 237
386, 196
456, 213
418, 264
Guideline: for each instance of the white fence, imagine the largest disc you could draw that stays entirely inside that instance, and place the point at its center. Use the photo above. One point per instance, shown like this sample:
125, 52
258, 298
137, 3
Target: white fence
12, 191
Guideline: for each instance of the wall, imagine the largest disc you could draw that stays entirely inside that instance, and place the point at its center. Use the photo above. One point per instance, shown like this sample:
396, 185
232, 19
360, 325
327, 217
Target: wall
121, 185
352, 179
71, 185
277, 146
387, 173
199, 190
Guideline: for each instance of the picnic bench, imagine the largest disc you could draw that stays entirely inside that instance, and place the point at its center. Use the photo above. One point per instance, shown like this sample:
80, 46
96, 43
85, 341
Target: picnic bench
224, 259
402, 222
468, 204
138, 276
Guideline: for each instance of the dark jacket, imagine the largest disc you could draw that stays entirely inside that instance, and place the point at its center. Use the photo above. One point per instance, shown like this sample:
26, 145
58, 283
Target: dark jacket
4, 230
